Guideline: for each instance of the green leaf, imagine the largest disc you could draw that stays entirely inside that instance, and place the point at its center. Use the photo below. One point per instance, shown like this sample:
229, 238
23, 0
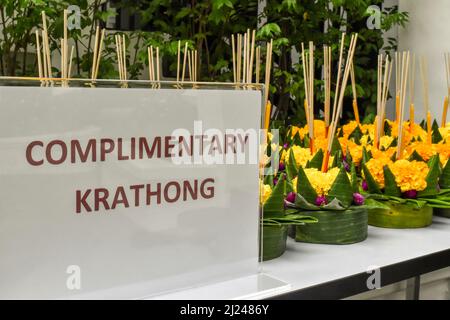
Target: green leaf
335, 146
432, 177
341, 189
415, 156
274, 205
365, 156
269, 180
371, 183
304, 187
354, 181
444, 180
291, 168
270, 30
390, 185
297, 140
356, 134
436, 136
337, 160
374, 204
316, 161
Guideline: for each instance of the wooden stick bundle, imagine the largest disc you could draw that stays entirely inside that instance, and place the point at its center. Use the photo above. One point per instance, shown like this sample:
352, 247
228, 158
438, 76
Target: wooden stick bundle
306, 83
268, 71
447, 97
411, 90
183, 71
121, 57
38, 55
426, 101
327, 84
46, 46
355, 97
403, 84
311, 96
341, 90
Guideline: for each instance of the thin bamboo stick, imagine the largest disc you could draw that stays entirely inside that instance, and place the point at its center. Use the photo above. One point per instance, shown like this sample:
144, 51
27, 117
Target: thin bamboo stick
268, 69
94, 58
66, 47
38, 54
47, 46
258, 63
252, 53
99, 55
69, 71
124, 58
184, 61
178, 61
158, 75
234, 57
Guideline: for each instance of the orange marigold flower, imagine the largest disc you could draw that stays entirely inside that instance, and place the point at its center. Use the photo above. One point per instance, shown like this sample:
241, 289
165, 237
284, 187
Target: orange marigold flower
410, 175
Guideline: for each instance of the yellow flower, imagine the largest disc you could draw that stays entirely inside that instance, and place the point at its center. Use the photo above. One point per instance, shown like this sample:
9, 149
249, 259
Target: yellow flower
301, 155
320, 181
385, 141
265, 192
349, 127
424, 149
410, 175
375, 167
443, 149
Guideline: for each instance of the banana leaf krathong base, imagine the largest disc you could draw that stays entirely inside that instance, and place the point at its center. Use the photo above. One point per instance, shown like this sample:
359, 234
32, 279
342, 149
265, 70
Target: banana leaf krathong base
334, 227
401, 216
442, 212
274, 241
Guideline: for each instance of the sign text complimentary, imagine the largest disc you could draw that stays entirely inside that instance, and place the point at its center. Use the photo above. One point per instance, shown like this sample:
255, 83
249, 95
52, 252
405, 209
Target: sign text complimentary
58, 152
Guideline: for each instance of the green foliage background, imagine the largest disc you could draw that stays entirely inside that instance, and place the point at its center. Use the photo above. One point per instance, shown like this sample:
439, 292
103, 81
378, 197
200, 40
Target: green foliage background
207, 26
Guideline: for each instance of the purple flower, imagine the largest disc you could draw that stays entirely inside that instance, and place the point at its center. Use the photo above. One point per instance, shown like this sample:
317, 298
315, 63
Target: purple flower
365, 186
321, 200
281, 166
410, 194
286, 145
275, 181
358, 199
290, 197
346, 166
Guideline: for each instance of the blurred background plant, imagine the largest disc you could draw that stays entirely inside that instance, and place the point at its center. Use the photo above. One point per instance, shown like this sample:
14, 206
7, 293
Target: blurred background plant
207, 26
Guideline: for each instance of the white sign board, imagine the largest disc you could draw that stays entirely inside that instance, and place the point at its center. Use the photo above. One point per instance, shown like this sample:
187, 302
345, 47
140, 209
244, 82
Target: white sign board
93, 205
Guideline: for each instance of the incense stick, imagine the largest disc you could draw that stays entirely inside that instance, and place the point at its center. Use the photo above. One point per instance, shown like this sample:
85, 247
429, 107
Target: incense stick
178, 61
99, 54
350, 55
66, 48
268, 69
252, 52
184, 61
158, 76
69, 72
258, 63
124, 58
94, 59
234, 57
38, 54
306, 83
355, 97
404, 77
46, 45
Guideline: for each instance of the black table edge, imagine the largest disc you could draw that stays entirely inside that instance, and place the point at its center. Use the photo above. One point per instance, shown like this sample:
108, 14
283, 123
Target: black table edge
357, 283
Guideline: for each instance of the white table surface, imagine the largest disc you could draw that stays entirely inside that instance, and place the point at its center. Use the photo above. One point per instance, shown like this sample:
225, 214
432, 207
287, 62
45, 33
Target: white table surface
304, 265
